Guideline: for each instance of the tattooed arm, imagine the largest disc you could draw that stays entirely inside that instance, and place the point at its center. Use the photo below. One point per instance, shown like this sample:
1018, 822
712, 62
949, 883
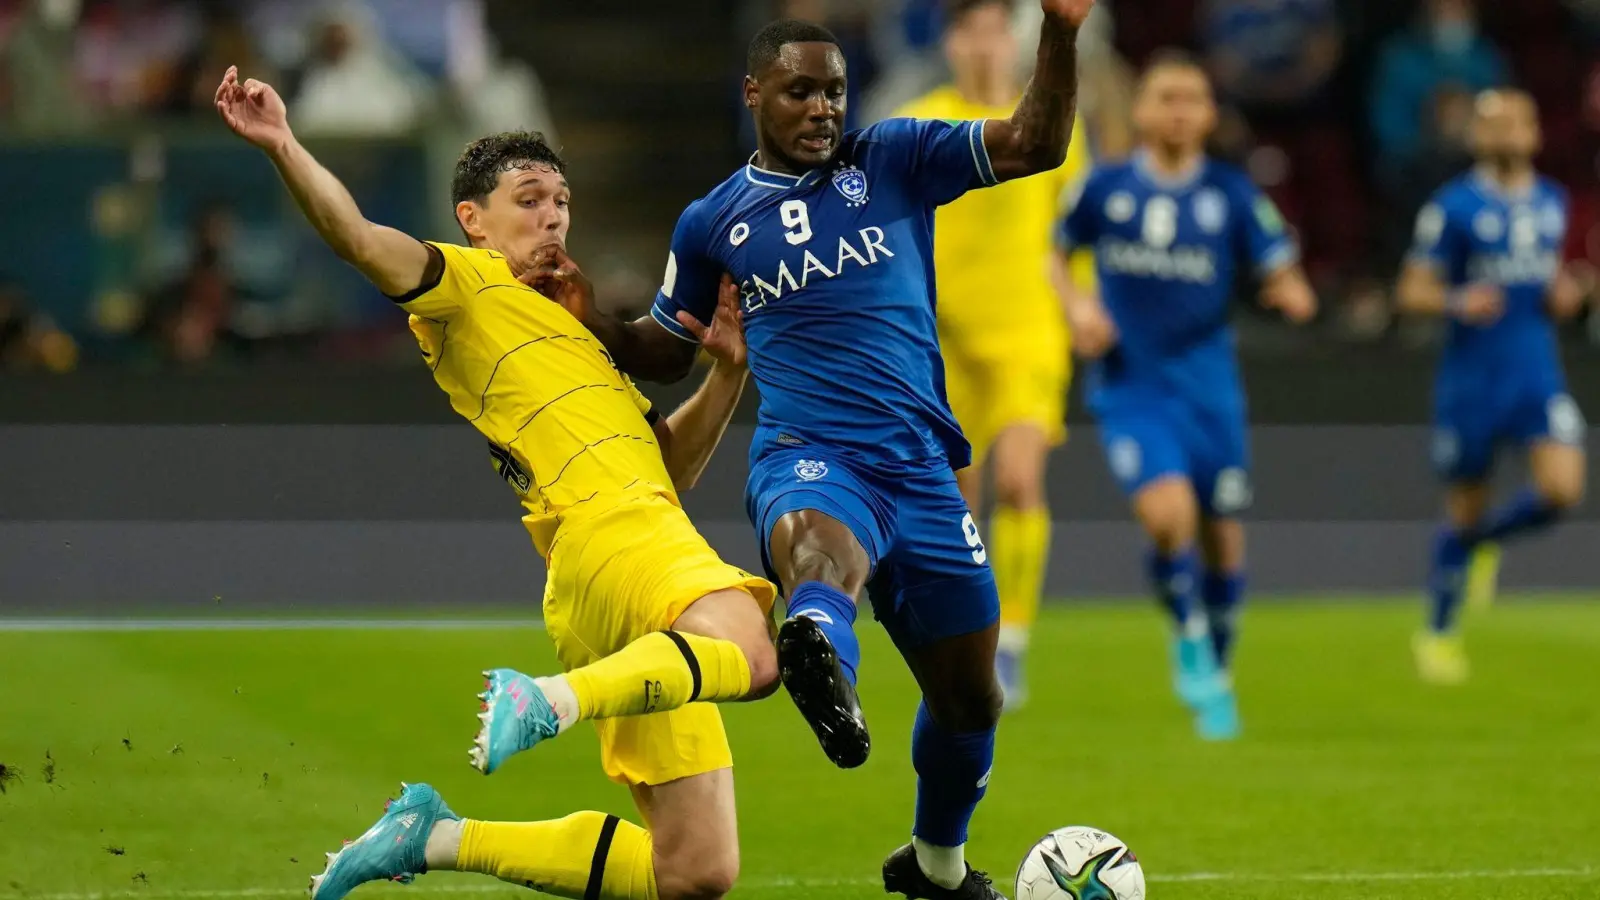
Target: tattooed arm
1035, 138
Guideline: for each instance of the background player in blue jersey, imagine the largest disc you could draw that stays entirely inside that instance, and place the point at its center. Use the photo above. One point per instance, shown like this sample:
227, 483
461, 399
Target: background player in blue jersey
1171, 231
1488, 259
852, 488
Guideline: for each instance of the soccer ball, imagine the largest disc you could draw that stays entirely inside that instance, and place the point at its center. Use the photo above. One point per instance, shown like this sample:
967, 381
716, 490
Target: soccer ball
1080, 863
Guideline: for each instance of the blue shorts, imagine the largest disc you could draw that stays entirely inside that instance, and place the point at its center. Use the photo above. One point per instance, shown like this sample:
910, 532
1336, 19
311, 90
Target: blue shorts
930, 572
1211, 449
1470, 428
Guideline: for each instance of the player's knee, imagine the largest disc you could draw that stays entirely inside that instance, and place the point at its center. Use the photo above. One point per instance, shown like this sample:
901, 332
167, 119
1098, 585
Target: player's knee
973, 706
702, 874
1018, 488
762, 658
1563, 493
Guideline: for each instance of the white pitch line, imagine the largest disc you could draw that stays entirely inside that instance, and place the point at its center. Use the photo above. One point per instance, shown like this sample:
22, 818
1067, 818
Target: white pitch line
489, 888
119, 625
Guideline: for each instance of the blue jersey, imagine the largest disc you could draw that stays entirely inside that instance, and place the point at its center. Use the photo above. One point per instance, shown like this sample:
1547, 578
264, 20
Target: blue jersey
1168, 254
1473, 233
836, 271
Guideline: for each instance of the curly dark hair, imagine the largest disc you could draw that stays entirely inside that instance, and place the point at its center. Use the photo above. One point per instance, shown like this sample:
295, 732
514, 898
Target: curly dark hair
478, 170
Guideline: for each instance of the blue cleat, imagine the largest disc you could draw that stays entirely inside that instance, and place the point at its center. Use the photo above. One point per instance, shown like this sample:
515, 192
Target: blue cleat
1195, 672
1008, 671
391, 850
516, 715
1217, 719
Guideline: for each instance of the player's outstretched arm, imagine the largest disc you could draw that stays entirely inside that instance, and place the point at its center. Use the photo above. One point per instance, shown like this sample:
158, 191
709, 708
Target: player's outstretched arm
1422, 292
1035, 138
392, 260
690, 435
641, 348
1289, 291
1093, 332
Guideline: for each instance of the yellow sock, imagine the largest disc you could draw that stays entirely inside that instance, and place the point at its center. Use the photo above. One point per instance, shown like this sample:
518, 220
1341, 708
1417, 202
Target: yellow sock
1019, 551
586, 856
673, 668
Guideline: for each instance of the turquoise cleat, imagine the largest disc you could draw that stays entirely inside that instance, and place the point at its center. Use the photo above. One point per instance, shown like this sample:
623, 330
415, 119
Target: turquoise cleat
391, 850
516, 715
1217, 719
1195, 672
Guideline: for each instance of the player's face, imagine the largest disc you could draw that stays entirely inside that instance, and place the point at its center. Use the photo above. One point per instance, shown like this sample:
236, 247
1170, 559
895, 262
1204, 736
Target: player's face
1506, 127
528, 209
1175, 108
799, 105
981, 45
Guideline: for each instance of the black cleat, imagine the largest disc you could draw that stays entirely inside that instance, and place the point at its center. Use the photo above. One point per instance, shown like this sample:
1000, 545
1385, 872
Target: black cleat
902, 875
810, 670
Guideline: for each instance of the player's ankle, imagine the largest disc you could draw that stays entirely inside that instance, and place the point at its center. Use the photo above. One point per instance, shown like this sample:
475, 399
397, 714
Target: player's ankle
444, 844
944, 866
563, 699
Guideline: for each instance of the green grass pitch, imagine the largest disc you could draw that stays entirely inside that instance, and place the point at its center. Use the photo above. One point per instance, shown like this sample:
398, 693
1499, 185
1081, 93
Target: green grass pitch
223, 763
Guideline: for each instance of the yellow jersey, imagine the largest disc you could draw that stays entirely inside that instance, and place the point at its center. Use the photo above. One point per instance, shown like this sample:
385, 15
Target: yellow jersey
991, 247
564, 426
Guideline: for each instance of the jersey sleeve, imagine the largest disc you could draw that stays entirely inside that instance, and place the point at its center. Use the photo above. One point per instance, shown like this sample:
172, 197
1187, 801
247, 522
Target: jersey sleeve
1264, 236
1078, 226
692, 277
451, 277
943, 159
1436, 239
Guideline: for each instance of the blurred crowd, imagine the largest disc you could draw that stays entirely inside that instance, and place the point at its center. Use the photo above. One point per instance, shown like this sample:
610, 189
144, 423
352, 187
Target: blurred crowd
1349, 112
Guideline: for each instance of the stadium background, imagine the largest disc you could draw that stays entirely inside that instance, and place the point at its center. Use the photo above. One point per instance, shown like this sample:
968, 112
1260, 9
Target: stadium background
199, 401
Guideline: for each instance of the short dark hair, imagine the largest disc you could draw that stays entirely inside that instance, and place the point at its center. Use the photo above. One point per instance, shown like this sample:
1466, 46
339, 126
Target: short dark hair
770, 41
478, 170
954, 10
1171, 58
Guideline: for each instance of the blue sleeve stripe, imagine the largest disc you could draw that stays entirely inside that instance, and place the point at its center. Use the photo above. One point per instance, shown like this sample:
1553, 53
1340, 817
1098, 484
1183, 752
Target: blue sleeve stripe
980, 153
1278, 256
671, 324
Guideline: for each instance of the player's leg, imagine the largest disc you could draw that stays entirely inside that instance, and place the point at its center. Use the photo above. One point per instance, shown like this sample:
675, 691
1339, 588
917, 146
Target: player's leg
1440, 656
635, 597
820, 537
1222, 555
1019, 545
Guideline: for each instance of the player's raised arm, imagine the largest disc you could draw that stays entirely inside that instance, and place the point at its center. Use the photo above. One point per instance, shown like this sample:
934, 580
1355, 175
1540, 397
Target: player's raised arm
392, 260
690, 435
1035, 138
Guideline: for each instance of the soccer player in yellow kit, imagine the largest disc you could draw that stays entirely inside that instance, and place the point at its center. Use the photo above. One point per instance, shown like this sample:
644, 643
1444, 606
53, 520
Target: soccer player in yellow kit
1003, 332
634, 595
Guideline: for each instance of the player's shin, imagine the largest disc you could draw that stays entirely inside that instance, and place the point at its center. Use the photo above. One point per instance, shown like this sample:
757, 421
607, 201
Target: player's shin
1446, 577
1526, 513
585, 855
1222, 592
1172, 576
952, 776
834, 611
675, 668
1019, 552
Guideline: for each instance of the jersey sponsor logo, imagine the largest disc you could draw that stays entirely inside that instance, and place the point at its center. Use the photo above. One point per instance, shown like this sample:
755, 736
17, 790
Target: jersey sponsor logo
1515, 268
810, 469
1120, 207
868, 249
1191, 264
851, 182
1487, 226
1211, 210
739, 234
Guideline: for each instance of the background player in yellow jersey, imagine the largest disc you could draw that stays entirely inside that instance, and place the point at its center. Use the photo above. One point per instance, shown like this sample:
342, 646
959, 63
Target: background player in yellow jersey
1003, 332
634, 595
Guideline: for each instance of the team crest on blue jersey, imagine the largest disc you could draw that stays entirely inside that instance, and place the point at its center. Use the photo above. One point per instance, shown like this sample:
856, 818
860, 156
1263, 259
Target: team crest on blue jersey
852, 184
810, 469
1211, 210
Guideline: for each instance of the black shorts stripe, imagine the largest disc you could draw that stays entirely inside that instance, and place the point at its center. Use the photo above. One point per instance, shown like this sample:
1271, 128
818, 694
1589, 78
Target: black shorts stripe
597, 866
694, 664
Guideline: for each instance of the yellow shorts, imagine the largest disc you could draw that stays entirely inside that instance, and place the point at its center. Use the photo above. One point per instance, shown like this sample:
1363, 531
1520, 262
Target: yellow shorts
991, 390
616, 575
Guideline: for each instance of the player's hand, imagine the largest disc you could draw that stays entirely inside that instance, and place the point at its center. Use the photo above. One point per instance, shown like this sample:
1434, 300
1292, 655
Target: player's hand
1478, 304
552, 273
1571, 289
723, 339
1071, 13
1093, 332
254, 111
1295, 300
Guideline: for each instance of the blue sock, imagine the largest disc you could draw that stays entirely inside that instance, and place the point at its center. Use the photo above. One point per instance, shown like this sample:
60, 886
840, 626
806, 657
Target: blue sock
1173, 580
1450, 554
952, 776
1222, 592
835, 612
1527, 512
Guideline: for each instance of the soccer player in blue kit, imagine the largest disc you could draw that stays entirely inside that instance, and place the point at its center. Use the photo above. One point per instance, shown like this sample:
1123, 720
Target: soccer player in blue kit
1170, 230
1488, 258
852, 486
